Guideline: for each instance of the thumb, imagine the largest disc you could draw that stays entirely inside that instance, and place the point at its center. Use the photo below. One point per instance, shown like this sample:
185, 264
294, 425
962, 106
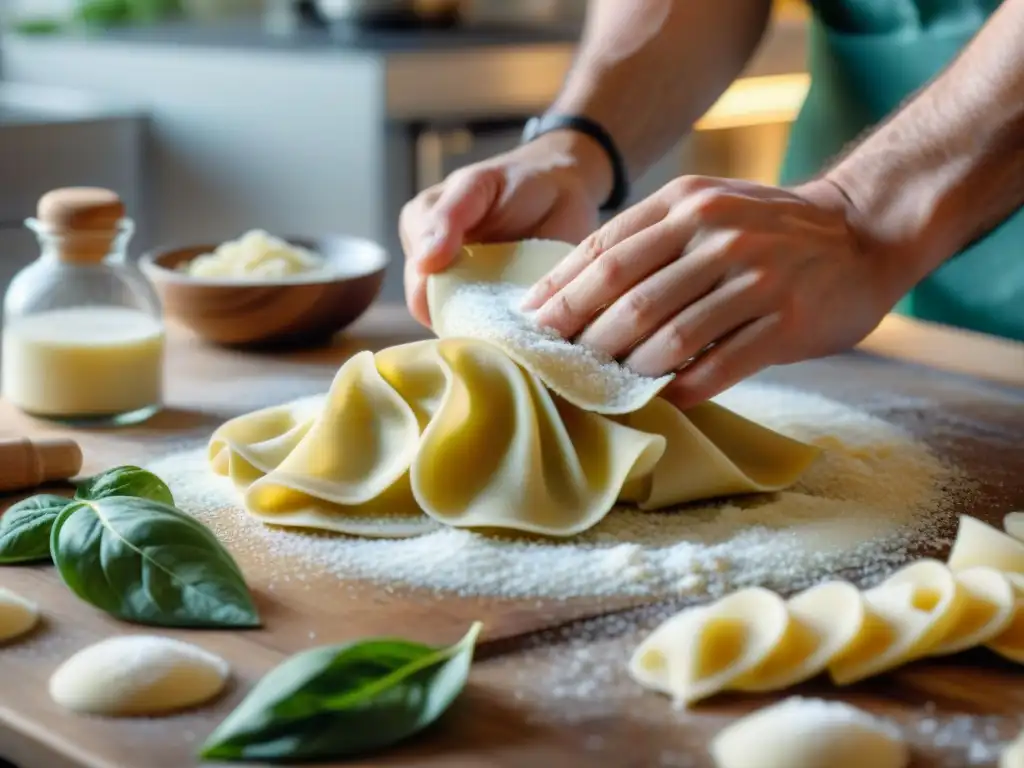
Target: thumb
466, 200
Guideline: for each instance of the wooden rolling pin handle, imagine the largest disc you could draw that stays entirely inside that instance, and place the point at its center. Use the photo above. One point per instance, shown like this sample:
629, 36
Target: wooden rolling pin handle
26, 463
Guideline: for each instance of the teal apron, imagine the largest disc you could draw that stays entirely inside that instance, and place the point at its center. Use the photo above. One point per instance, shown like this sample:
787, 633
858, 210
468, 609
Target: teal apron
866, 57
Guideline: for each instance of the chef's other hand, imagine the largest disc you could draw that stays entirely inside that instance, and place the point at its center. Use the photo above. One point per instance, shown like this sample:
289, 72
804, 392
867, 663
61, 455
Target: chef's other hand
549, 188
717, 279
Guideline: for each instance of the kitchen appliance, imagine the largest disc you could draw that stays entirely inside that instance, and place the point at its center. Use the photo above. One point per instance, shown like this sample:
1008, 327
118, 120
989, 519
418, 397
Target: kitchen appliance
392, 13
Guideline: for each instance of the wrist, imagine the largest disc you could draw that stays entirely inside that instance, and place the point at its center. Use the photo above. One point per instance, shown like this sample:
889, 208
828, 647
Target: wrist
891, 265
582, 157
900, 208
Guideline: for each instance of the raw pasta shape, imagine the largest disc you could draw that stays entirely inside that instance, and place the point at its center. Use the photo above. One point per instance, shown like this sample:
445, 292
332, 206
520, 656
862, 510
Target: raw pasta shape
1013, 524
478, 297
987, 610
824, 621
260, 441
18, 616
809, 733
978, 543
907, 616
1010, 642
1012, 755
134, 675
704, 650
385, 452
711, 451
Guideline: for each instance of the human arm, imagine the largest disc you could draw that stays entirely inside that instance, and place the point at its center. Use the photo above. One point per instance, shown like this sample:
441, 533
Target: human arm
646, 69
949, 166
719, 278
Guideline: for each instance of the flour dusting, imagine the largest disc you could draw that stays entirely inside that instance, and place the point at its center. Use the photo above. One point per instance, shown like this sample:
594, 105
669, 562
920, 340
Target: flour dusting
875, 499
583, 376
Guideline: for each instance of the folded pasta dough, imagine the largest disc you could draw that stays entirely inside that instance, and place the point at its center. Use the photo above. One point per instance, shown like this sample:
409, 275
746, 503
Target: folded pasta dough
711, 452
453, 431
451, 428
478, 297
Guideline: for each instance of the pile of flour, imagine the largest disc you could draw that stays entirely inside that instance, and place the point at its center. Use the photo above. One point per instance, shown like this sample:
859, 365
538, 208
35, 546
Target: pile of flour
873, 500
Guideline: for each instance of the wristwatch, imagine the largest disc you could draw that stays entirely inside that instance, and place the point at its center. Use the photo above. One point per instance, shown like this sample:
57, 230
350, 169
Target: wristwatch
538, 126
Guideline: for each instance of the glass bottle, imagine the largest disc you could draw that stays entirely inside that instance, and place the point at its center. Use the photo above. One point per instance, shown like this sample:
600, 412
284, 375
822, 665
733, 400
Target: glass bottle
83, 333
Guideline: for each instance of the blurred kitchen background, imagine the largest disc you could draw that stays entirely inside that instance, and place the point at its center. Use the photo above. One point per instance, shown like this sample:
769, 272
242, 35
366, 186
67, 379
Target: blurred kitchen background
212, 117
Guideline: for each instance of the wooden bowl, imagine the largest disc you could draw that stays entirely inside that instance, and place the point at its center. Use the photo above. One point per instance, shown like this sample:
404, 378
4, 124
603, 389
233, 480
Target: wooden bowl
300, 310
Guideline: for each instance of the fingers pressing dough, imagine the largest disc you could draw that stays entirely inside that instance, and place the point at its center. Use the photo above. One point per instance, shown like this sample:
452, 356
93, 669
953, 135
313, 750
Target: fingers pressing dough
809, 733
138, 675
478, 297
17, 615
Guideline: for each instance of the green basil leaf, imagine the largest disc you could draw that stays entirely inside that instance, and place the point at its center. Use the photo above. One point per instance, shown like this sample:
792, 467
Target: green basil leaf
25, 528
124, 481
144, 561
340, 701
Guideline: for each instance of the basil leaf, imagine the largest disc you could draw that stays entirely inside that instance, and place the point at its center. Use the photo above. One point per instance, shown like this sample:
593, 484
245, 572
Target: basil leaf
339, 701
25, 528
124, 481
144, 561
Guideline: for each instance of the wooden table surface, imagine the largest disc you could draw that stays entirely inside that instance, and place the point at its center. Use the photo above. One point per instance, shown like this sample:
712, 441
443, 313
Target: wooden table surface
549, 686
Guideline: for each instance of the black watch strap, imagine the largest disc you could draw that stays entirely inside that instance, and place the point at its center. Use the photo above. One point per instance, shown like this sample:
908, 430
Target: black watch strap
538, 126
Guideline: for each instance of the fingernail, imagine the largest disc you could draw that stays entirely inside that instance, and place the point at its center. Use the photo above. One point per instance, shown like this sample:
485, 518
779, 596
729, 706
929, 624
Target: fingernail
529, 300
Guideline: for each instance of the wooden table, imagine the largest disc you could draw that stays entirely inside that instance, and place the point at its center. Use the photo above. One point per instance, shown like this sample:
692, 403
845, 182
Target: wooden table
535, 699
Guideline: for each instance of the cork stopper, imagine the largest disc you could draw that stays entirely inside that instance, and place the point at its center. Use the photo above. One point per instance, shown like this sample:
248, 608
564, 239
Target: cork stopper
86, 219
26, 463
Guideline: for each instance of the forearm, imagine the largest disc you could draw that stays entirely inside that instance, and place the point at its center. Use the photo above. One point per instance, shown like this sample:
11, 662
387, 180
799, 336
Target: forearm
648, 69
949, 166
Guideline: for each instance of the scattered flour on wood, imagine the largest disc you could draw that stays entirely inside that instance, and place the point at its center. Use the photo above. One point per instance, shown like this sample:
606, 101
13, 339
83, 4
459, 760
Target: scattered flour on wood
958, 741
874, 499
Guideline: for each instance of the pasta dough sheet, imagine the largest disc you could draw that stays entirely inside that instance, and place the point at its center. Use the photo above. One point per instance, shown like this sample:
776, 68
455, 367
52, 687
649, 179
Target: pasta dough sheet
461, 431
478, 297
454, 432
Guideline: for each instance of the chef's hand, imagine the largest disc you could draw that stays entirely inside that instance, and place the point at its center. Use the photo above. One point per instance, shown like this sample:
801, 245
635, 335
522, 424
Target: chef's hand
549, 188
750, 275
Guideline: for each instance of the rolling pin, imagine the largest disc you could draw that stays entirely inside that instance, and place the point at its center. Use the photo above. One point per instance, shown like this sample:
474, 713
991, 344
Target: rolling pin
26, 463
